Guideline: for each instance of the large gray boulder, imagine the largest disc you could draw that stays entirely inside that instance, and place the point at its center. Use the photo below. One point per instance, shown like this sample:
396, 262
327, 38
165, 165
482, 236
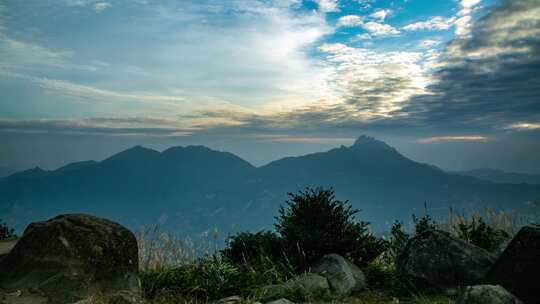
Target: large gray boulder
437, 259
343, 276
487, 294
70, 257
518, 267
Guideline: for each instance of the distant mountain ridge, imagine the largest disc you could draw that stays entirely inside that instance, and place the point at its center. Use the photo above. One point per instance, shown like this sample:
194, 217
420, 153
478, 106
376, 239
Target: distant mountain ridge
191, 189
499, 176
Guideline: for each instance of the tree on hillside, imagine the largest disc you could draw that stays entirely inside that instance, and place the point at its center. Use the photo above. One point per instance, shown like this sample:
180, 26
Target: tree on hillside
314, 223
5, 231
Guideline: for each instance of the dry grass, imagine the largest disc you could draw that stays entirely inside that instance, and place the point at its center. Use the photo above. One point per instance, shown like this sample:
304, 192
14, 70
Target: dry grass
160, 250
509, 222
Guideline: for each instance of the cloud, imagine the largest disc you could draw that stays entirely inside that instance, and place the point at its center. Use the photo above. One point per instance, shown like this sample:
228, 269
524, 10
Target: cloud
487, 79
380, 29
375, 84
328, 6
434, 23
101, 6
381, 14
429, 43
524, 126
350, 20
241, 52
453, 138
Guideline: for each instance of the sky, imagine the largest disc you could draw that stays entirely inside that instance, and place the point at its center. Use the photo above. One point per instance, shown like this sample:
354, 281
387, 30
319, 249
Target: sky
454, 83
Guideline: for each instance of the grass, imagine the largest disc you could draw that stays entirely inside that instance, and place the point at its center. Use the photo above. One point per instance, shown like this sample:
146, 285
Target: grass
178, 270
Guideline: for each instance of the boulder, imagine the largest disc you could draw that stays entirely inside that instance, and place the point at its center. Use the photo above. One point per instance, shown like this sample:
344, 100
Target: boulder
343, 276
487, 294
70, 257
518, 267
437, 259
311, 283
305, 285
230, 300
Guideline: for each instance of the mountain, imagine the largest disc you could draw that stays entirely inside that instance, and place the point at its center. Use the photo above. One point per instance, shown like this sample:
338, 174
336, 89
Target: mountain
499, 176
5, 171
192, 189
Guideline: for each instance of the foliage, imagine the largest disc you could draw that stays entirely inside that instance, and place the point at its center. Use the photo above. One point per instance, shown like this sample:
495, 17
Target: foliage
246, 246
382, 275
423, 224
478, 233
6, 232
205, 279
315, 223
398, 240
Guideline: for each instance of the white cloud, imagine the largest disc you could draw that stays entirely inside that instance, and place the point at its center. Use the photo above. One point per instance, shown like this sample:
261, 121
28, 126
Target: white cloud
350, 20
380, 29
453, 138
469, 3
524, 126
381, 14
428, 43
375, 84
434, 23
327, 6
364, 36
101, 6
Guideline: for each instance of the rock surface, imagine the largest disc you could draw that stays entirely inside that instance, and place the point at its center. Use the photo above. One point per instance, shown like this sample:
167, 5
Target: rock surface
487, 294
518, 267
70, 256
436, 258
343, 276
230, 300
281, 301
310, 282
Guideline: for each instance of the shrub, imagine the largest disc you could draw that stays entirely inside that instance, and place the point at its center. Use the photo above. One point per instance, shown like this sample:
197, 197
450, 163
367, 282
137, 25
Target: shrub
478, 233
382, 275
247, 246
398, 240
315, 223
205, 279
423, 224
5, 231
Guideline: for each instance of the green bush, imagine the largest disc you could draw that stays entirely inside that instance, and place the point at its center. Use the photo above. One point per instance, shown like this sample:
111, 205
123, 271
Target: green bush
398, 240
5, 231
382, 275
423, 224
478, 233
315, 223
246, 246
205, 279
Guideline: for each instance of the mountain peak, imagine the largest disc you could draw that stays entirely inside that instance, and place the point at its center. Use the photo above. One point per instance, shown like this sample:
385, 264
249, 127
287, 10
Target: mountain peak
369, 144
134, 153
365, 140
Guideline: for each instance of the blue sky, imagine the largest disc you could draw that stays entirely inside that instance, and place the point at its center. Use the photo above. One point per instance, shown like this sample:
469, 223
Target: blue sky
269, 78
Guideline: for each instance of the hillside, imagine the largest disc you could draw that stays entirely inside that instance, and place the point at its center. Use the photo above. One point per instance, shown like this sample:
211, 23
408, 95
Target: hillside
192, 189
498, 176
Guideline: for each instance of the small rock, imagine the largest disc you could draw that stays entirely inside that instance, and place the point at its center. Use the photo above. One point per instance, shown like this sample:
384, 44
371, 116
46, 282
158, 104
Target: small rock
343, 276
281, 301
229, 300
487, 294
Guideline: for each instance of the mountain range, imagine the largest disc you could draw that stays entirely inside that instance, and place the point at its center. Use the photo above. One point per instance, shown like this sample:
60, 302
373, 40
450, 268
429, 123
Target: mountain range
499, 176
192, 189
